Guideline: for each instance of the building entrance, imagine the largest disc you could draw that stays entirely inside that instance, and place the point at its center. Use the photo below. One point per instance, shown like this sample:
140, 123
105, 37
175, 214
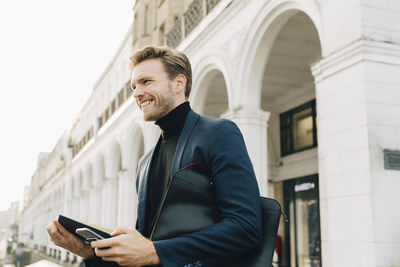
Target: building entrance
302, 241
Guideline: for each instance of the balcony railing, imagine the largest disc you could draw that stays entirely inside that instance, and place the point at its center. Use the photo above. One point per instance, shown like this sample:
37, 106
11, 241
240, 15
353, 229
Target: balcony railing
197, 10
174, 37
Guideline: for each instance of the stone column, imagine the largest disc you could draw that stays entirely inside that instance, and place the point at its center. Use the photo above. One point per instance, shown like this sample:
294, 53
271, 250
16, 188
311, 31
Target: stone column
97, 194
126, 198
67, 203
109, 206
84, 206
75, 207
358, 117
92, 206
253, 125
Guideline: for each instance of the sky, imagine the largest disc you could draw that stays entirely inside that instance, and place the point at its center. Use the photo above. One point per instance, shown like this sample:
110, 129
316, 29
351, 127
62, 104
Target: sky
51, 54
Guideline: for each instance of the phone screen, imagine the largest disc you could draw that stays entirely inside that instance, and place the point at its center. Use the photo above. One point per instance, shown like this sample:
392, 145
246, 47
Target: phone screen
88, 234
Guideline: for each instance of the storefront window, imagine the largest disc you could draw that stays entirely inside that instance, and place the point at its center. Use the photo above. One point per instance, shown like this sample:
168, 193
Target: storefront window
302, 242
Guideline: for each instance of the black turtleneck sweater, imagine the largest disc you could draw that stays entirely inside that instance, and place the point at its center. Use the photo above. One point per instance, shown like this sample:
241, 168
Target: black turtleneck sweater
160, 171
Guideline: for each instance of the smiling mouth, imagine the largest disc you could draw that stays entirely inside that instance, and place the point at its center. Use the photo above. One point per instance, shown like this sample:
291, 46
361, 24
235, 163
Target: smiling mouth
145, 103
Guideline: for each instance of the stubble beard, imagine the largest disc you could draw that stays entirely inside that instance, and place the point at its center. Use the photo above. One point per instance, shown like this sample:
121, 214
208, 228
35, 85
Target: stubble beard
164, 106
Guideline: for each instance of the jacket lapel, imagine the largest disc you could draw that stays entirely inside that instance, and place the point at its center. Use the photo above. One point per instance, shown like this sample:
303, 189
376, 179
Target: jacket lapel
142, 192
190, 121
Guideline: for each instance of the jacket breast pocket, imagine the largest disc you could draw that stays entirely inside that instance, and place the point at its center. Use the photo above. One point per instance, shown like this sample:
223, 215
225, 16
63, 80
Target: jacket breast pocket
189, 205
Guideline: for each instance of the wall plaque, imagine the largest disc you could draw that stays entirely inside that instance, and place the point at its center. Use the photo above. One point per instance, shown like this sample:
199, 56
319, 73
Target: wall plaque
392, 159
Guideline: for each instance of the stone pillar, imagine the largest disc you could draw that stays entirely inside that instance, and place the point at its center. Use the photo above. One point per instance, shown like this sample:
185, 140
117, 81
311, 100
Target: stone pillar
357, 119
109, 206
84, 206
358, 107
75, 207
126, 198
92, 206
67, 203
64, 255
253, 125
97, 194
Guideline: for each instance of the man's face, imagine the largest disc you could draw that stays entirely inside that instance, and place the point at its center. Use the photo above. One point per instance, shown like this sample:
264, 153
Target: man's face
153, 90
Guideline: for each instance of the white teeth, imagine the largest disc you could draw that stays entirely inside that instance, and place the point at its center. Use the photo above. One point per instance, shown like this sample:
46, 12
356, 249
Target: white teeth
145, 103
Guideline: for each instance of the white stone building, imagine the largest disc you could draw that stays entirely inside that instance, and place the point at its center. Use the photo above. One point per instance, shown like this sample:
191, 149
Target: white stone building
314, 85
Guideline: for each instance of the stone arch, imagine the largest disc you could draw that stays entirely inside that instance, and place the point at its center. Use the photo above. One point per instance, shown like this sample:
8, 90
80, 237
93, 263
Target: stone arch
61, 196
135, 146
99, 170
98, 173
75, 195
87, 177
113, 161
212, 83
80, 180
257, 48
69, 194
68, 188
282, 47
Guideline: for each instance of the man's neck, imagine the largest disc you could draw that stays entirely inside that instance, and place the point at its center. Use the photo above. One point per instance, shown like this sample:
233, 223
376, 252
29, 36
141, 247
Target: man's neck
172, 123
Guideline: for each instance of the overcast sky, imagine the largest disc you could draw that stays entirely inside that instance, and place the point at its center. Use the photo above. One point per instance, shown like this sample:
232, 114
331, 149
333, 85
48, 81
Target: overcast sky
51, 54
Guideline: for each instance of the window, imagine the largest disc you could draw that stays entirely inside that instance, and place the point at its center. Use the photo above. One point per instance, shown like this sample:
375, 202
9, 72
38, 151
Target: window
146, 20
301, 244
121, 99
100, 121
106, 115
91, 132
298, 129
161, 35
112, 106
128, 90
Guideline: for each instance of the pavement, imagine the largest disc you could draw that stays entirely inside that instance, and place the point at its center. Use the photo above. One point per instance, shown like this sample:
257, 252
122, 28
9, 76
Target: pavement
43, 263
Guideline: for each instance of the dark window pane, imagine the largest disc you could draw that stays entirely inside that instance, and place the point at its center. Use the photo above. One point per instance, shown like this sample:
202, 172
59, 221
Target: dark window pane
128, 91
121, 99
113, 106
298, 131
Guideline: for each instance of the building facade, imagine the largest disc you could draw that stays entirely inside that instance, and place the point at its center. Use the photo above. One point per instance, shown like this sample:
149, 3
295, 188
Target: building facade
312, 84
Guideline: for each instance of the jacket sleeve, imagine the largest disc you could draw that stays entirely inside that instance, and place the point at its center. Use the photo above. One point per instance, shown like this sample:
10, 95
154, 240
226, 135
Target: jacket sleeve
238, 199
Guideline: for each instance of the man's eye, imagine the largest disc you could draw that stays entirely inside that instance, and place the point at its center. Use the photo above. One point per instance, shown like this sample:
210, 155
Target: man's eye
146, 81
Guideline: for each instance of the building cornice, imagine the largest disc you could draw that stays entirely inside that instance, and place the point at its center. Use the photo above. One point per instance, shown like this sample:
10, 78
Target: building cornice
360, 50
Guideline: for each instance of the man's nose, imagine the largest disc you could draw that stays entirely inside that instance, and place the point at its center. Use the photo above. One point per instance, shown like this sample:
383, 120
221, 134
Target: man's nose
137, 92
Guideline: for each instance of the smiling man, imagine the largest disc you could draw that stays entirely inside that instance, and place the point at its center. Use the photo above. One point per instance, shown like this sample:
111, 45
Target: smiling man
161, 80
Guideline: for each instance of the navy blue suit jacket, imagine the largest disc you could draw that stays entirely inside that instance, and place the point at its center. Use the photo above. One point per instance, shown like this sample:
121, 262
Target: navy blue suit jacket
214, 147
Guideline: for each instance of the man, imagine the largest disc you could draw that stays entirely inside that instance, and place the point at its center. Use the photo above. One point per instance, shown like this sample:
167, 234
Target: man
161, 80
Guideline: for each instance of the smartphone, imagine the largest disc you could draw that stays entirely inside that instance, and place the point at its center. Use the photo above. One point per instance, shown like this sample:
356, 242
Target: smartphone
88, 234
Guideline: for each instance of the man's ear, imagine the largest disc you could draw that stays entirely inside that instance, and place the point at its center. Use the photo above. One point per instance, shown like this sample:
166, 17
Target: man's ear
180, 83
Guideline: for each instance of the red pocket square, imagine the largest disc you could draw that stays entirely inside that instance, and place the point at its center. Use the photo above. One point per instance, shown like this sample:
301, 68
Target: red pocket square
192, 165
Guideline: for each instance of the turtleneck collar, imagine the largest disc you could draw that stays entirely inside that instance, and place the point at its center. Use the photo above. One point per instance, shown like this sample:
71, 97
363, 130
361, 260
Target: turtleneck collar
172, 123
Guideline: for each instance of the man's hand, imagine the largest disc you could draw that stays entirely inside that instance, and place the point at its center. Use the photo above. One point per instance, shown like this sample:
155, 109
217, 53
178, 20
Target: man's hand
127, 247
61, 237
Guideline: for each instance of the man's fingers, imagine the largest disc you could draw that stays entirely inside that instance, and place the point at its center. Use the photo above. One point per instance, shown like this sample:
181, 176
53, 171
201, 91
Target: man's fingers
61, 228
121, 230
104, 252
105, 243
52, 230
